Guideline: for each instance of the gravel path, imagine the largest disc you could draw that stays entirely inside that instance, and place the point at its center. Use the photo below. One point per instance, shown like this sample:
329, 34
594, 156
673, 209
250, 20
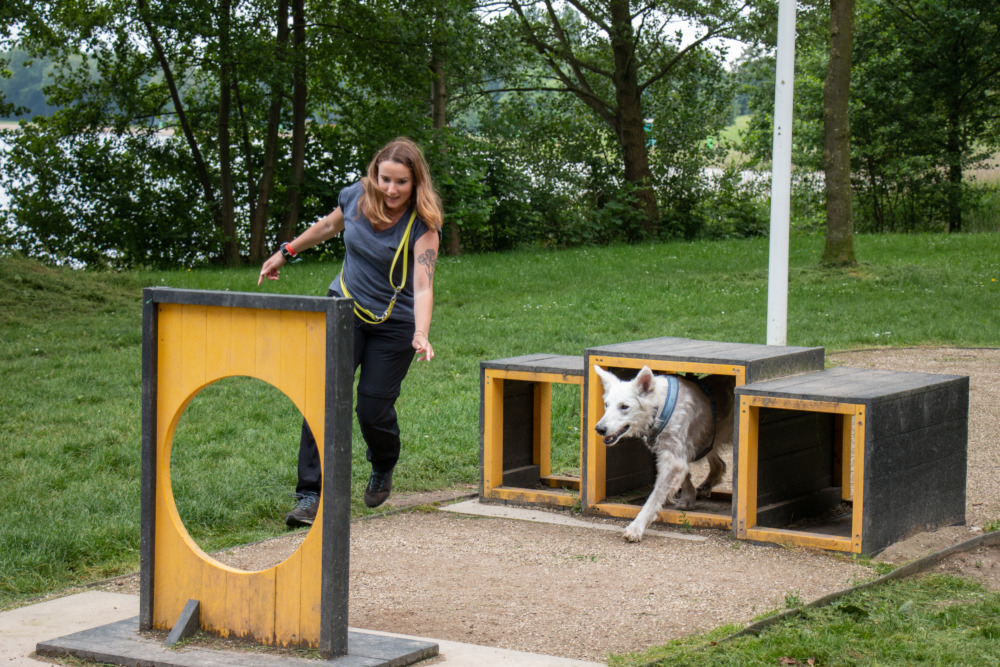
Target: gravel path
581, 593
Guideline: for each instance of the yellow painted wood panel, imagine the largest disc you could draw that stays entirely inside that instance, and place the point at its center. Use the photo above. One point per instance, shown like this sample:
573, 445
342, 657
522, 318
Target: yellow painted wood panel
542, 436
313, 406
262, 606
197, 345
535, 376
214, 599
269, 349
287, 600
739, 372
857, 524
294, 329
694, 518
238, 603
492, 432
310, 584
219, 331
243, 346
746, 501
801, 539
529, 496
595, 478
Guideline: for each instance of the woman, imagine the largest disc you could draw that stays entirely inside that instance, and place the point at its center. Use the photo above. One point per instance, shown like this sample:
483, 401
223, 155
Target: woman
391, 221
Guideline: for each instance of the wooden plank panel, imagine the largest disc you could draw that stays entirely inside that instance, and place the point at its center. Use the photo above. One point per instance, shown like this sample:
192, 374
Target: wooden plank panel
219, 327
801, 539
288, 600
537, 497
313, 406
194, 337
238, 603
268, 359
542, 436
694, 517
492, 432
746, 482
213, 599
292, 356
262, 600
310, 583
668, 366
243, 345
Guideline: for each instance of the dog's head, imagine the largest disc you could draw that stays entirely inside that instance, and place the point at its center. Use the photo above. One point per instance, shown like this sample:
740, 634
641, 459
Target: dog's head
629, 405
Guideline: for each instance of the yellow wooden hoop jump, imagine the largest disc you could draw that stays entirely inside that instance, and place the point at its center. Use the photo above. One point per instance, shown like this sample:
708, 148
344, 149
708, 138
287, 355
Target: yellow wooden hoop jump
192, 346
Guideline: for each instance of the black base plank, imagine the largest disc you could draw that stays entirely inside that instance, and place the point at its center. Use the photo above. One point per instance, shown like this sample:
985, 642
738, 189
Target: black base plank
121, 644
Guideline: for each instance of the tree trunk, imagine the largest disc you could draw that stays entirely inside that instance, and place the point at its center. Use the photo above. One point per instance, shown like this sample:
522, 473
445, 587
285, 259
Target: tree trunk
439, 120
630, 125
168, 76
954, 152
288, 225
231, 242
259, 216
839, 249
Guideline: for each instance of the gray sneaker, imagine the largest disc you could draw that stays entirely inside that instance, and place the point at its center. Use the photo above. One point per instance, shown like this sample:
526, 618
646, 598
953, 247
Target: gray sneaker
378, 489
305, 511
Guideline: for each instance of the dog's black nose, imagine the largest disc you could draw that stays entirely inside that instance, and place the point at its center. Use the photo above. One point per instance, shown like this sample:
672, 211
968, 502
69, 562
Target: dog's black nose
601, 430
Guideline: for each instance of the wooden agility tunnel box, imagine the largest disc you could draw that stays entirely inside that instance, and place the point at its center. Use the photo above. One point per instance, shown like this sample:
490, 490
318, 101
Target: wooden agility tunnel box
515, 429
626, 469
850, 459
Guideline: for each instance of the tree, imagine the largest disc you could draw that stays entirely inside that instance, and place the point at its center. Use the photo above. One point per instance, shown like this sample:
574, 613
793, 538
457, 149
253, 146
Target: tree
394, 72
839, 248
611, 53
215, 73
952, 48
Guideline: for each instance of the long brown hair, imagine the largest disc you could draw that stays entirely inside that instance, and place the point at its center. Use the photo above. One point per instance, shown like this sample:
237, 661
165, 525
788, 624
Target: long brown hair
424, 197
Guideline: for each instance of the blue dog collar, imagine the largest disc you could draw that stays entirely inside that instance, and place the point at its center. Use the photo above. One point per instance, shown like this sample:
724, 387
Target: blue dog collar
668, 408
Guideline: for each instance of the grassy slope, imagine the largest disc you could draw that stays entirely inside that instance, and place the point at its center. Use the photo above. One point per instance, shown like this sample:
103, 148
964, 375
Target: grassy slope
70, 369
935, 620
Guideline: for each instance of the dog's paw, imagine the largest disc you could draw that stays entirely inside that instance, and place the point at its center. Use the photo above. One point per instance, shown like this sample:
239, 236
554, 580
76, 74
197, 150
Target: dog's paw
633, 533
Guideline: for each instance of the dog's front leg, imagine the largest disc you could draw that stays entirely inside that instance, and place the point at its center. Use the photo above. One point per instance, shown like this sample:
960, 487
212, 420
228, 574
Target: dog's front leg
670, 474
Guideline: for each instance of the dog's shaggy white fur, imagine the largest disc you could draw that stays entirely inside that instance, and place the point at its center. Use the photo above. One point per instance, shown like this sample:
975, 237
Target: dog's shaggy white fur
632, 407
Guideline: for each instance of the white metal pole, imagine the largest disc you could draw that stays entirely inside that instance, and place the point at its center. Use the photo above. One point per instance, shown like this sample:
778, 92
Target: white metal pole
781, 177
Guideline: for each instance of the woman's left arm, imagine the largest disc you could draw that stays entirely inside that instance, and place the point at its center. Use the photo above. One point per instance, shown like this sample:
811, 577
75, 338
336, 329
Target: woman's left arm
425, 251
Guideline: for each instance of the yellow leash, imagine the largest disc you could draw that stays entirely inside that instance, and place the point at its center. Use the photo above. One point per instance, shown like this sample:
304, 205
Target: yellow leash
362, 312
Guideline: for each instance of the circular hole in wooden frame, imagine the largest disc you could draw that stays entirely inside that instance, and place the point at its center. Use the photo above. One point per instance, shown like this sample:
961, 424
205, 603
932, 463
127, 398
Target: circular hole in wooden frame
233, 470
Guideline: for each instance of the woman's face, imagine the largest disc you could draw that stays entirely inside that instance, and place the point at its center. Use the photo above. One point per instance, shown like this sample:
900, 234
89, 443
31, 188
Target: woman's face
396, 181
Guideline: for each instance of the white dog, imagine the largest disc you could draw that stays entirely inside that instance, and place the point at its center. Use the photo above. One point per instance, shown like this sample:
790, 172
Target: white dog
681, 421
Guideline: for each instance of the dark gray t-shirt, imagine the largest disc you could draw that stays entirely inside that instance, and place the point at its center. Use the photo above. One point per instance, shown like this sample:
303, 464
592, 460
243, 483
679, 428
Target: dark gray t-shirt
369, 256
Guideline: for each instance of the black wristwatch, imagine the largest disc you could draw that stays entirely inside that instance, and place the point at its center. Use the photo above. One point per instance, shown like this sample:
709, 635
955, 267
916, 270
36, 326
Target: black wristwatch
287, 251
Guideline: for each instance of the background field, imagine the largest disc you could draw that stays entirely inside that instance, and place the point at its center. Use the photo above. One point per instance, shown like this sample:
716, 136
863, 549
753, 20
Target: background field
70, 369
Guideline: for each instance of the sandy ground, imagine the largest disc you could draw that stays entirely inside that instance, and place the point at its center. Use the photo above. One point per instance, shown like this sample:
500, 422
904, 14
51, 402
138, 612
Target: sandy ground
581, 593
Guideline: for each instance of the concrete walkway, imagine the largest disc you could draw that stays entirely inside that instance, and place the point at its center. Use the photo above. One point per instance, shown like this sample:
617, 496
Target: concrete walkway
21, 630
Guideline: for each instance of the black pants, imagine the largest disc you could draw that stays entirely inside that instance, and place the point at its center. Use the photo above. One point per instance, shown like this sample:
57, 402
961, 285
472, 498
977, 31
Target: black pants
384, 353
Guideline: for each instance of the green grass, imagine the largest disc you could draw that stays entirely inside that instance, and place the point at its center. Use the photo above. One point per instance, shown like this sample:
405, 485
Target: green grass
70, 379
935, 620
732, 132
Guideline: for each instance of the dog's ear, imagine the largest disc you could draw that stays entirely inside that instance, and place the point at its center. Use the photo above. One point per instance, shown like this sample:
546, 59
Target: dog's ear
644, 381
607, 379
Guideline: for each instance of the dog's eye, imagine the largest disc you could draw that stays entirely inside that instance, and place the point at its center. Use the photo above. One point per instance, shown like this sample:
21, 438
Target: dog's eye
623, 407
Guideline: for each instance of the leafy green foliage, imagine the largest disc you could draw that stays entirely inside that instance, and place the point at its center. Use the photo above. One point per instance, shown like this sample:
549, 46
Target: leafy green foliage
100, 200
921, 112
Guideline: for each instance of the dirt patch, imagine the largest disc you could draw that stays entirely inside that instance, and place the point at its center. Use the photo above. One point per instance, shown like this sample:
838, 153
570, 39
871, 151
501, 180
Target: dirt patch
582, 593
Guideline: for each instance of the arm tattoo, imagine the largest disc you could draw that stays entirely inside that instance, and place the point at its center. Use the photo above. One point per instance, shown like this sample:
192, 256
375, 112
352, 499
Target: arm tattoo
428, 258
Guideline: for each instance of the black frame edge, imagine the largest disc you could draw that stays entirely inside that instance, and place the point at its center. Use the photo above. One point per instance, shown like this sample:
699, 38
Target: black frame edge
147, 535
336, 492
